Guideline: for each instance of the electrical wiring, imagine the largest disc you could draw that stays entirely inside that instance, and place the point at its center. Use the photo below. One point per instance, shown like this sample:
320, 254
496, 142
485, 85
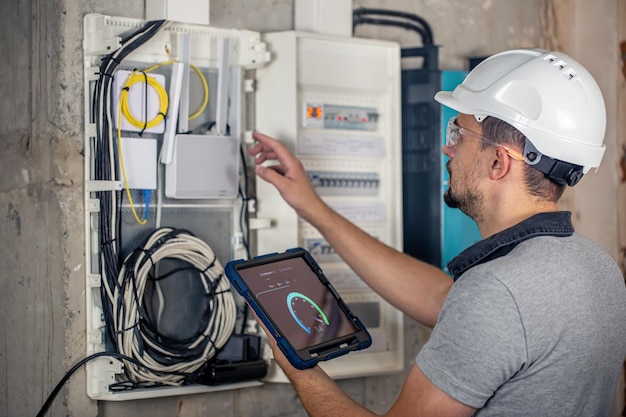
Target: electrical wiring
123, 169
244, 221
55, 391
159, 202
124, 109
359, 16
137, 335
244, 224
205, 88
105, 167
141, 77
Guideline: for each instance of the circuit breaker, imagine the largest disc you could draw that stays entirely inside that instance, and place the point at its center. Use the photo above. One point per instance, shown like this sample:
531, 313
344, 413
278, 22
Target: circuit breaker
335, 102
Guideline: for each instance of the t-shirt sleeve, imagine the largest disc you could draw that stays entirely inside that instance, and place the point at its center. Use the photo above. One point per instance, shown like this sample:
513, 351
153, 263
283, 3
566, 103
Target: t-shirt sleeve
478, 342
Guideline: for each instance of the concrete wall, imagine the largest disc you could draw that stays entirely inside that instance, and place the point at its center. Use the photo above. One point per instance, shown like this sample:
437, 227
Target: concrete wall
41, 165
589, 31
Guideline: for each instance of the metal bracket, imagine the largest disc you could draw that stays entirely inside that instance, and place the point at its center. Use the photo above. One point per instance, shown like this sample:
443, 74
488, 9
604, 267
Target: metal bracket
99, 185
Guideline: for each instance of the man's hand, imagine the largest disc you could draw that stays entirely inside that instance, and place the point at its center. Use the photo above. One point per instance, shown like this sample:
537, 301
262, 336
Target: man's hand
279, 357
286, 174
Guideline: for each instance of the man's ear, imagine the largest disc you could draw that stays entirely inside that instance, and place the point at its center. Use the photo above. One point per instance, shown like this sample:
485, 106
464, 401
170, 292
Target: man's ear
500, 163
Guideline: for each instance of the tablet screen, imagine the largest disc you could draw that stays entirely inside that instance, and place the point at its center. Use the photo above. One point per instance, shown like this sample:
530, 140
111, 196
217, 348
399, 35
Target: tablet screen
299, 304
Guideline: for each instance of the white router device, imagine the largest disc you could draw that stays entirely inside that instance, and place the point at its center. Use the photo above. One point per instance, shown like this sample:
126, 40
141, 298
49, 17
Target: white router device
203, 167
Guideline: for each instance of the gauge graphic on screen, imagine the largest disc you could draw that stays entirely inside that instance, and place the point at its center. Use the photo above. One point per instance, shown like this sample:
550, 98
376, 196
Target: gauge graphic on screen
306, 312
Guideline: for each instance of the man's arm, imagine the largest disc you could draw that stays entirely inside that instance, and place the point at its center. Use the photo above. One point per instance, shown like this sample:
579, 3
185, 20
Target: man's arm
416, 288
321, 396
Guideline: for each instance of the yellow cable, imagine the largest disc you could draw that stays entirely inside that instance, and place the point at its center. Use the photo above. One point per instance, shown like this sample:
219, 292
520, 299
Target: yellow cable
140, 77
205, 86
152, 68
123, 108
137, 76
119, 146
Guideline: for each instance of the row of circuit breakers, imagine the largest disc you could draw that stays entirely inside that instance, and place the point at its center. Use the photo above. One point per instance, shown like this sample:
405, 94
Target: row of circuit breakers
340, 117
328, 116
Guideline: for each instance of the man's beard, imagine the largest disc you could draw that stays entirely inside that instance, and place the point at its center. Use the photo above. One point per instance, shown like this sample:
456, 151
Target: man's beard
449, 199
469, 202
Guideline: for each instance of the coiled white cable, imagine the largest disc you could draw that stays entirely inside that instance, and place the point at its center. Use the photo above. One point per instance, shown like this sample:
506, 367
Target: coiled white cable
128, 301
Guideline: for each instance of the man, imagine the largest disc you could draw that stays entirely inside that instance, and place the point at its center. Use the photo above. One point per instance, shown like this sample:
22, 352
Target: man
533, 322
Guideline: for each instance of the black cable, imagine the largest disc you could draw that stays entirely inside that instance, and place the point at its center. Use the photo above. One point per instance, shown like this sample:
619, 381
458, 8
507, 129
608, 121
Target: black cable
178, 349
139, 327
244, 224
358, 17
244, 219
105, 156
390, 22
46, 405
145, 104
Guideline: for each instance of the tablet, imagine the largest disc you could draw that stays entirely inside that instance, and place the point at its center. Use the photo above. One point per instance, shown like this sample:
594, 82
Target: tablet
299, 306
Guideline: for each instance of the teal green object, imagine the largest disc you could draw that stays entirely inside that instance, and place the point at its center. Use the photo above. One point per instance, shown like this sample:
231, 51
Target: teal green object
458, 230
320, 316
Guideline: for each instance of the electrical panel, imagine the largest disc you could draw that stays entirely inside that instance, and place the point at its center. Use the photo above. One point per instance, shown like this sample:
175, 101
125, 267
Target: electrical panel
335, 102
168, 126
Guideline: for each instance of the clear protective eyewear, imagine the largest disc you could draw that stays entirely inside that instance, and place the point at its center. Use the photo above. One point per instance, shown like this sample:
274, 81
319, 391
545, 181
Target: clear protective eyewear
454, 133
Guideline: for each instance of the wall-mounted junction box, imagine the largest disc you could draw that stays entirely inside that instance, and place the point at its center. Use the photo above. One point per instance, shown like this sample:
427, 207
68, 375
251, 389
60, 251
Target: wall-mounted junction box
213, 220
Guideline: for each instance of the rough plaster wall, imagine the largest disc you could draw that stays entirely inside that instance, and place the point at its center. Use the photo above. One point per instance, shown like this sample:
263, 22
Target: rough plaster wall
595, 43
621, 130
40, 202
42, 281
598, 210
620, 403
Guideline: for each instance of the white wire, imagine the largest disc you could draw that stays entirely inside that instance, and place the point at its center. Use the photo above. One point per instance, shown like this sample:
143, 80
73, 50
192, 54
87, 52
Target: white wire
221, 323
159, 315
159, 205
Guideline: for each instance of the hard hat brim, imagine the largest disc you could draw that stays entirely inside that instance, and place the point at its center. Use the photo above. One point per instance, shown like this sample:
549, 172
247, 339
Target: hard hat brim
447, 99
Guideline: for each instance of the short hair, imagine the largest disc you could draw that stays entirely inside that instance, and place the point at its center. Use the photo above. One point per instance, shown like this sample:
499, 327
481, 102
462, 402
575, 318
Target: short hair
537, 183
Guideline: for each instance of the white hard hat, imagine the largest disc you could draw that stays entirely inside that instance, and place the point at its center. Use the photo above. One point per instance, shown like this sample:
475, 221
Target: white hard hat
548, 96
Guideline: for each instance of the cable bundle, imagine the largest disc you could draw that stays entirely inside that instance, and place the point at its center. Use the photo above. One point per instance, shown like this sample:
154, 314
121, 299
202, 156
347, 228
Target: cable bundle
105, 165
167, 361
142, 77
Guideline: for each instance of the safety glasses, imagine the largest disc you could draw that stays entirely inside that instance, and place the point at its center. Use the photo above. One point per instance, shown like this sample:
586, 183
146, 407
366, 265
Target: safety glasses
454, 133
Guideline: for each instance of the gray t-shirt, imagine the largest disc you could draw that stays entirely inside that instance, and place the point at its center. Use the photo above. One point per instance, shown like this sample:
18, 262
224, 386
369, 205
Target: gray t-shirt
538, 332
